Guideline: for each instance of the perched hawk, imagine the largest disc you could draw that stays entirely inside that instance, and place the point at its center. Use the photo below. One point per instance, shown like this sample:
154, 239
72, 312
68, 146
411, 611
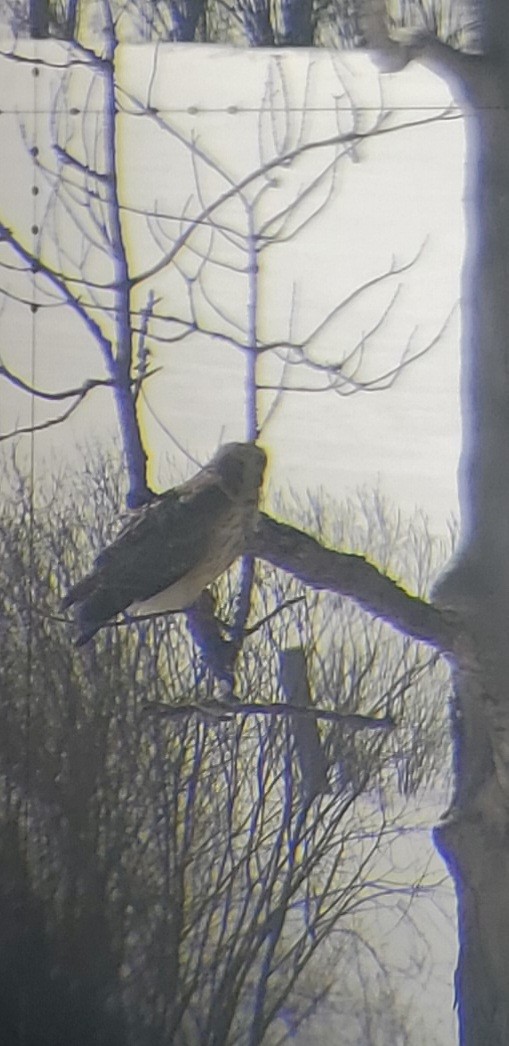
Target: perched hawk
176, 545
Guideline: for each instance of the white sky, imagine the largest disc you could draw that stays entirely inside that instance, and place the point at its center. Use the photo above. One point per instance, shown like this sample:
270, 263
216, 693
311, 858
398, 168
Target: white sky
401, 192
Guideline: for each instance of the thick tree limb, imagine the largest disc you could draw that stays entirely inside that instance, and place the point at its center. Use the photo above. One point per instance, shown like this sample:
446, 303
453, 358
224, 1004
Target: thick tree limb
350, 575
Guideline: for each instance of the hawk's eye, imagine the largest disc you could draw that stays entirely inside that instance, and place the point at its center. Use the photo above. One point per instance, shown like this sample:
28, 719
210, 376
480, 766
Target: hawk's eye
231, 470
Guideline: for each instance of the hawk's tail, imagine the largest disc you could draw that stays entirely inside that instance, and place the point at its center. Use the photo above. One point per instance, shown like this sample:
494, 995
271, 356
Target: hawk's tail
79, 592
95, 606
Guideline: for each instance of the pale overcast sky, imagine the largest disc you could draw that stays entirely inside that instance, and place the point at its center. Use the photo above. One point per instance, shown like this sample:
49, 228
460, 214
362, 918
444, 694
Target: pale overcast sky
397, 193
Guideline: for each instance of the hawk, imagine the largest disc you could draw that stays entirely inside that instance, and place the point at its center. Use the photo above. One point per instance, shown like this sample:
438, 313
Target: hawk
176, 545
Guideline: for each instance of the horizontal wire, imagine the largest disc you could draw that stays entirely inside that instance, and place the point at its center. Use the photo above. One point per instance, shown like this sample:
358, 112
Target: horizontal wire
239, 110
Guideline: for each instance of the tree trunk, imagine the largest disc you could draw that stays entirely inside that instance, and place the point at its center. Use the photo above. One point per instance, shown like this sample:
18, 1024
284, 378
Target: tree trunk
39, 19
474, 837
185, 16
293, 23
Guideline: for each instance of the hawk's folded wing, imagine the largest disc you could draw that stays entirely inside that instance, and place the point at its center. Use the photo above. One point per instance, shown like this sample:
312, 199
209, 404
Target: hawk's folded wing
175, 546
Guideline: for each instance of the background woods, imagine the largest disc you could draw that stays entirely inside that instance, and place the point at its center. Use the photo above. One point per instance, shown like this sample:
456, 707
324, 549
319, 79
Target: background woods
188, 887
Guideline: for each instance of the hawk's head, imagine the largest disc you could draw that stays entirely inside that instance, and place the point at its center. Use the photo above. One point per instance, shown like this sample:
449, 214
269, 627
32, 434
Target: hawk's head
239, 468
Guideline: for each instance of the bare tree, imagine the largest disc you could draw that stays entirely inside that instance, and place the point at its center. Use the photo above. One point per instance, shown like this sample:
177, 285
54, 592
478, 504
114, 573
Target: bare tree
230, 224
136, 313
468, 42
256, 23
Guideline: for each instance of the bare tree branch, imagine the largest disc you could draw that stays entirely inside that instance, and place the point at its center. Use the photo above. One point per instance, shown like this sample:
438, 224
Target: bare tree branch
217, 709
39, 268
79, 392
277, 161
351, 575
